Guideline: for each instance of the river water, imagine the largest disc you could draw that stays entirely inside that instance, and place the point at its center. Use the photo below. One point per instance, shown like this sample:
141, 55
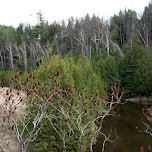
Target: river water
129, 139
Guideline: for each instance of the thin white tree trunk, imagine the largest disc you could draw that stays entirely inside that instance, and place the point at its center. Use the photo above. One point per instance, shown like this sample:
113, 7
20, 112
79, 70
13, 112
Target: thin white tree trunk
90, 51
18, 53
9, 48
23, 49
2, 60
107, 39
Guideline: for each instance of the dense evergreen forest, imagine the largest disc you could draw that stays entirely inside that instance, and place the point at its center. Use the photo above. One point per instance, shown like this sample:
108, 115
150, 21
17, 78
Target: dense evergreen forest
119, 48
89, 52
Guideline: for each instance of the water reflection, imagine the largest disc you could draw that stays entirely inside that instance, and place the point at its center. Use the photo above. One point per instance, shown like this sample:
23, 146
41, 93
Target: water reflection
129, 139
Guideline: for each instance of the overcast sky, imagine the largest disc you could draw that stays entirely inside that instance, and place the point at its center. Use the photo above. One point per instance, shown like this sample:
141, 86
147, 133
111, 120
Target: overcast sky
13, 12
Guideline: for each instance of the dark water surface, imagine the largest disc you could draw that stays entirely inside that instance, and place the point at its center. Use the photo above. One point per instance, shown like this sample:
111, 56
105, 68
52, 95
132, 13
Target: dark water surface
129, 138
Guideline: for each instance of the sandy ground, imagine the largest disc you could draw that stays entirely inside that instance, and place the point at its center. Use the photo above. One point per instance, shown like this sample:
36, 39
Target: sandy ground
14, 93
15, 99
7, 139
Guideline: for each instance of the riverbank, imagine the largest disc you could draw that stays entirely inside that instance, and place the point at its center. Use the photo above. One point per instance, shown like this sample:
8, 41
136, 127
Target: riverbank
129, 139
139, 100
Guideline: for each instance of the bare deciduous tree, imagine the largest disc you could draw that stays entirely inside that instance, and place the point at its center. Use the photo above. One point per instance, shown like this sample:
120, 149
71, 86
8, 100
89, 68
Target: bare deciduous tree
70, 111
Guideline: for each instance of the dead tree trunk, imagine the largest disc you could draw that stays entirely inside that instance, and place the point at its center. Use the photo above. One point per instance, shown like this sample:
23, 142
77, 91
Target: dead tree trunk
1, 57
10, 51
23, 50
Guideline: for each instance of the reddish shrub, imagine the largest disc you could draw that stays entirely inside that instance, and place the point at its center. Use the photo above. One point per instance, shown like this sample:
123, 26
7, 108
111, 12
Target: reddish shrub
105, 88
33, 77
149, 149
70, 89
85, 110
118, 82
20, 72
122, 89
2, 78
4, 119
12, 78
49, 77
69, 112
13, 126
16, 76
30, 76
141, 149
61, 101
58, 73
66, 120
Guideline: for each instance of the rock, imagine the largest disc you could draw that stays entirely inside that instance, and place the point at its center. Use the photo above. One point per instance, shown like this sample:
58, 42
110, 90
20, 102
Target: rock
139, 100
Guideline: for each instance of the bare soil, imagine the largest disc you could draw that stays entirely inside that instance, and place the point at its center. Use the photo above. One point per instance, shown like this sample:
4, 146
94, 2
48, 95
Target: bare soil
8, 140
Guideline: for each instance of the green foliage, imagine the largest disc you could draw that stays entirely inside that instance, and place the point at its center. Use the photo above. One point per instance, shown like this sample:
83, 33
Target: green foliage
6, 75
51, 66
144, 74
109, 69
2, 38
73, 71
19, 34
123, 25
133, 69
48, 139
84, 75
